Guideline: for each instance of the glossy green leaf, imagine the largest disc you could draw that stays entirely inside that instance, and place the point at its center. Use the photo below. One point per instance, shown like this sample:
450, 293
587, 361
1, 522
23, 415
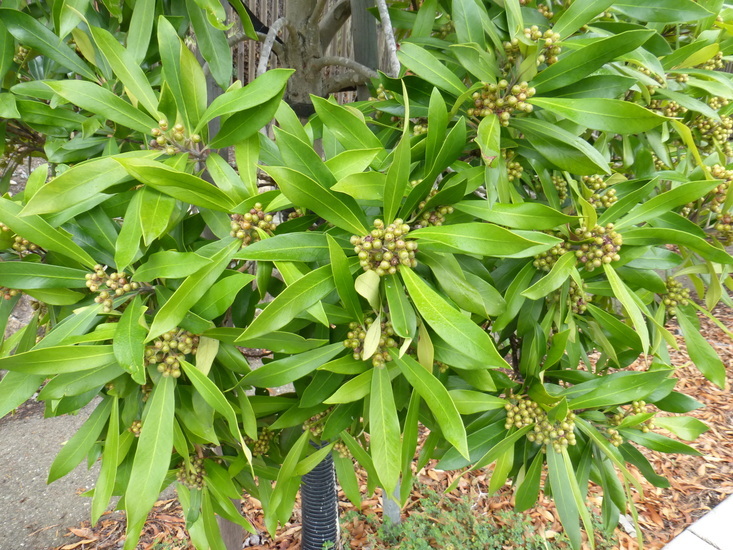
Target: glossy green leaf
101, 101
152, 458
563, 497
580, 12
81, 442
141, 30
398, 176
529, 488
347, 125
563, 149
615, 389
658, 442
16, 388
177, 184
471, 402
437, 398
156, 214
33, 275
486, 239
192, 289
170, 264
685, 427
296, 298
449, 323
59, 359
705, 358
259, 91
129, 342
609, 115
666, 11
339, 209
80, 182
580, 63
622, 292
39, 231
77, 383
524, 215
108, 472
213, 44
344, 280
127, 246
554, 279
426, 65
401, 312
283, 371
288, 247
33, 34
384, 430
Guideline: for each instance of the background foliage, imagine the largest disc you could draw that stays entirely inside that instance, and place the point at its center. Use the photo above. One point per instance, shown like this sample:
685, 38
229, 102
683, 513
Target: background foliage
489, 247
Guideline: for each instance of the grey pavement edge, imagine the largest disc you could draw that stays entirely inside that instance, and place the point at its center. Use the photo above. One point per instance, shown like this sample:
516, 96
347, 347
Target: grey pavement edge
713, 531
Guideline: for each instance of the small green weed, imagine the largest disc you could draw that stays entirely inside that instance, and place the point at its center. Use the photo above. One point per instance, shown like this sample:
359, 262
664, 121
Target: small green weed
441, 523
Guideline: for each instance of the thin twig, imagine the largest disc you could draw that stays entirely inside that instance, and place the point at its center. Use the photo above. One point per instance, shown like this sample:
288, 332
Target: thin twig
267, 45
389, 36
327, 60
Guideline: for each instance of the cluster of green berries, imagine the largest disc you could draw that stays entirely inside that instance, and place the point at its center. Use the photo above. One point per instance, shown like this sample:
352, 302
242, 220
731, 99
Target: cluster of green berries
146, 390
21, 54
658, 163
682, 77
514, 170
24, 246
192, 477
717, 102
546, 11
431, 218
420, 127
578, 298
614, 437
261, 445
715, 62
720, 193
645, 71
502, 100
599, 199
545, 261
136, 427
244, 226
637, 407
526, 412
171, 141
446, 29
601, 246
357, 335
667, 108
382, 94
724, 227
169, 348
296, 213
385, 249
676, 295
8, 293
714, 130
316, 423
109, 286
549, 40
561, 186
342, 450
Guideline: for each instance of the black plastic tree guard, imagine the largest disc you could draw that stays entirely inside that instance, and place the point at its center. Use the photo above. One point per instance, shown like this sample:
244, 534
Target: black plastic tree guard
319, 506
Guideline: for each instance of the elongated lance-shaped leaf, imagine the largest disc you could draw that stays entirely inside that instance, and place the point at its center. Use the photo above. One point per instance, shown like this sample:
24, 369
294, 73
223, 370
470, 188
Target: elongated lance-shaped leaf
398, 176
152, 458
401, 312
100, 101
622, 292
140, 31
298, 297
384, 430
59, 360
32, 33
80, 182
344, 280
701, 352
339, 209
108, 472
347, 125
39, 231
580, 12
81, 442
129, 341
192, 289
289, 369
177, 184
33, 275
450, 324
524, 215
425, 64
554, 279
437, 398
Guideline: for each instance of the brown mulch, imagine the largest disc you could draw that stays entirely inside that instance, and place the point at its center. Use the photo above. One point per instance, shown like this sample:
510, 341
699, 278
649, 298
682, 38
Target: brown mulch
698, 483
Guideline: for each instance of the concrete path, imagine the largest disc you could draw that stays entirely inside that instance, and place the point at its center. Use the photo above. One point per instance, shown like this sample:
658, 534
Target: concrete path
33, 515
714, 531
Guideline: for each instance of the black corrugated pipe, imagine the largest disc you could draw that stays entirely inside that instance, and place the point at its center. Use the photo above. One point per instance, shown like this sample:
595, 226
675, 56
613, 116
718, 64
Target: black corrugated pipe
319, 505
